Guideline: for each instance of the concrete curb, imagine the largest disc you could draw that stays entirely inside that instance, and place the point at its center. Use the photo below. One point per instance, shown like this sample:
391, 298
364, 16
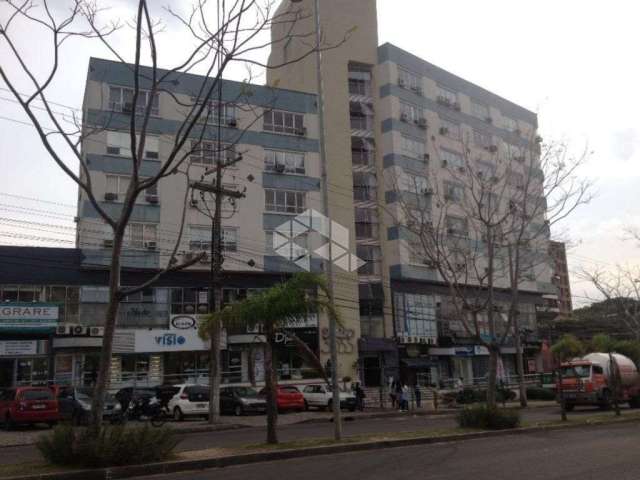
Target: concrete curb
250, 458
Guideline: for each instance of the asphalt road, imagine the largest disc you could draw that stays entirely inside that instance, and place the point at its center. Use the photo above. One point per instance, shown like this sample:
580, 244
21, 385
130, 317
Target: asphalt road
234, 438
596, 453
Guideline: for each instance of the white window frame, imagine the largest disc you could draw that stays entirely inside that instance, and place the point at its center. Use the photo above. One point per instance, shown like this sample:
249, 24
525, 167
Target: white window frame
205, 152
117, 104
415, 183
210, 112
454, 192
453, 129
452, 159
292, 162
509, 123
413, 112
119, 144
448, 94
149, 233
121, 184
278, 121
412, 147
480, 110
285, 201
482, 139
229, 240
411, 80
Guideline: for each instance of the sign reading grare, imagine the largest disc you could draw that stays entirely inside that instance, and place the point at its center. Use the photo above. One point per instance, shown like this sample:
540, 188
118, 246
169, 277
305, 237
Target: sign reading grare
28, 315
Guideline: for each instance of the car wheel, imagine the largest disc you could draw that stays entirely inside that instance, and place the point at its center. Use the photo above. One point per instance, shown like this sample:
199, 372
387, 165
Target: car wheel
178, 416
306, 406
569, 407
238, 411
8, 423
330, 406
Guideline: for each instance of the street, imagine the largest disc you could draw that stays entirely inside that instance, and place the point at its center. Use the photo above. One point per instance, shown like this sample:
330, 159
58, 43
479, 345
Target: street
236, 438
596, 453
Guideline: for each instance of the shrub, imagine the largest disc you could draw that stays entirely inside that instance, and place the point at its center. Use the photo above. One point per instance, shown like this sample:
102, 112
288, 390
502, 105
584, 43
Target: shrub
487, 418
112, 446
537, 393
470, 395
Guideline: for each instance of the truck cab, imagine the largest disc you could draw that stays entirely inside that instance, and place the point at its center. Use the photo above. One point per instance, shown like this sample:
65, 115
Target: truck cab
583, 383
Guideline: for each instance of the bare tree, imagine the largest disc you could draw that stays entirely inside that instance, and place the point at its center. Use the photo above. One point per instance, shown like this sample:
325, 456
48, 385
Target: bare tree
482, 226
222, 33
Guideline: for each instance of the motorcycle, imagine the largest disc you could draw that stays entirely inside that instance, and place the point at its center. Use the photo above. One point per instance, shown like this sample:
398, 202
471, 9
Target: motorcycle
142, 408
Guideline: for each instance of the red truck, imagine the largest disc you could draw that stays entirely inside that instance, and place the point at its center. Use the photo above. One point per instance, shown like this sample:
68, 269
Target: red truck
588, 381
28, 405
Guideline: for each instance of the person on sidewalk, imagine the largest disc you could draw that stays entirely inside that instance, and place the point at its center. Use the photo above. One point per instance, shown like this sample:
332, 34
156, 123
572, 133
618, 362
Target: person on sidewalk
418, 395
360, 396
404, 396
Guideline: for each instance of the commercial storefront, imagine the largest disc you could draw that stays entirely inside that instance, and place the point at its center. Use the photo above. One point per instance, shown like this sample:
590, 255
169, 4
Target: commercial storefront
26, 332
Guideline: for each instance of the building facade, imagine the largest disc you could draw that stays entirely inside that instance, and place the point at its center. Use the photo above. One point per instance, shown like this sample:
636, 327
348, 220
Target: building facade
558, 253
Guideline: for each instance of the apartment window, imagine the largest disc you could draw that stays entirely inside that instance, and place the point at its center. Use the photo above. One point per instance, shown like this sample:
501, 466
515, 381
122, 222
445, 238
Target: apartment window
362, 151
413, 148
364, 187
372, 256
284, 201
456, 226
417, 253
509, 124
453, 192
480, 110
447, 96
205, 152
409, 80
482, 139
229, 239
366, 223
451, 159
450, 129
139, 235
117, 185
121, 97
283, 122
359, 80
214, 109
485, 170
199, 238
119, 143
284, 162
415, 183
411, 112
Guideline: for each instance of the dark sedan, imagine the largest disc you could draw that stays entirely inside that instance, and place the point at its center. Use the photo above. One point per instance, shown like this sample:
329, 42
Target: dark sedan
75, 404
241, 400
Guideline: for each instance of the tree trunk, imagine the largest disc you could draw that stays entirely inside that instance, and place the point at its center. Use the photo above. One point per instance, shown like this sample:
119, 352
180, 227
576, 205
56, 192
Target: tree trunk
271, 387
104, 368
214, 375
615, 387
563, 405
252, 366
520, 363
493, 373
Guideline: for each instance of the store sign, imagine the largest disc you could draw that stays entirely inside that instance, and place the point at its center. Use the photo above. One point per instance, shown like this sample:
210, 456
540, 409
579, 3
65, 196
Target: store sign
184, 322
480, 350
465, 351
15, 348
28, 315
417, 340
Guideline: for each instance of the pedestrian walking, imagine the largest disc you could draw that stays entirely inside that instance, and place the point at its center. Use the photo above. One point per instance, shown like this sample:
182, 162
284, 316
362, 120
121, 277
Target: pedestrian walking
418, 395
360, 396
404, 396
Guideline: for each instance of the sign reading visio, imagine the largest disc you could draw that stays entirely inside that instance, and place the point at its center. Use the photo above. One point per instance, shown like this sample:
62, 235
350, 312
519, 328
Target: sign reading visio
28, 315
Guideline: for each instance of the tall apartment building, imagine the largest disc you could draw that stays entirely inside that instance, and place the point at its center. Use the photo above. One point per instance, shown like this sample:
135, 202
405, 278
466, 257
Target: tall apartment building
395, 120
558, 253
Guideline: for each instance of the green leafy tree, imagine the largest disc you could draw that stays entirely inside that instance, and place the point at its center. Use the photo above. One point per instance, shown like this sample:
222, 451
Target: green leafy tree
271, 310
565, 349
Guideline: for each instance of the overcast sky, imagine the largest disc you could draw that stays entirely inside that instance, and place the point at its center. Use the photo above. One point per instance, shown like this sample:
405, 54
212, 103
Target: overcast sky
572, 61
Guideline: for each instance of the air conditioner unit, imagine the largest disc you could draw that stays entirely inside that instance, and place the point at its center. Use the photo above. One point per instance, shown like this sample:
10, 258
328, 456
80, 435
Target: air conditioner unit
96, 331
451, 231
461, 169
232, 122
107, 243
301, 131
110, 197
150, 245
279, 167
426, 157
62, 330
444, 163
193, 202
444, 131
488, 120
422, 123
78, 330
491, 148
427, 191
429, 263
152, 199
404, 117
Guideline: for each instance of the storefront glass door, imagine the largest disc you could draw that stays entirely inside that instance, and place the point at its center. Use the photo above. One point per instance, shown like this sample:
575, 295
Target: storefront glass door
6, 372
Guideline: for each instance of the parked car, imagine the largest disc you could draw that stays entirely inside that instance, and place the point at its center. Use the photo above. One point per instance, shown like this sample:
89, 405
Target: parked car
74, 404
188, 401
321, 396
241, 400
289, 398
27, 406
124, 395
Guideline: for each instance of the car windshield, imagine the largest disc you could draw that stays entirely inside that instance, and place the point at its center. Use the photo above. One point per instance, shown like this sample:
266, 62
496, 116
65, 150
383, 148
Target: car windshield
37, 395
582, 371
245, 392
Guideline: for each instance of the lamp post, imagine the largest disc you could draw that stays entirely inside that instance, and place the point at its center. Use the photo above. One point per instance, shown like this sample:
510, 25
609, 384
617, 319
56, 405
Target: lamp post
335, 387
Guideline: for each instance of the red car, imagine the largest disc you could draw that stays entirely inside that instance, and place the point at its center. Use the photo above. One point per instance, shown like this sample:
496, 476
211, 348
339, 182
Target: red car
28, 405
289, 398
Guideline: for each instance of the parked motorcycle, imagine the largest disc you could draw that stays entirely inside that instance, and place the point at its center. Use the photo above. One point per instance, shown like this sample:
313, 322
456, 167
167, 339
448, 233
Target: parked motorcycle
142, 408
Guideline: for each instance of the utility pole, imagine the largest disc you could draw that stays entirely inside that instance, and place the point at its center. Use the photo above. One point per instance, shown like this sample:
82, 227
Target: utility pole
333, 350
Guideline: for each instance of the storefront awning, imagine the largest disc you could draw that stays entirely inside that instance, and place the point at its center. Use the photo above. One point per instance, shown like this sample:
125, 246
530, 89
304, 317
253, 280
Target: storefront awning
418, 362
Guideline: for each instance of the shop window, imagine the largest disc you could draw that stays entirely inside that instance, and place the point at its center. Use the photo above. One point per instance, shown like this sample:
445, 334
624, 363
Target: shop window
9, 294
135, 367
